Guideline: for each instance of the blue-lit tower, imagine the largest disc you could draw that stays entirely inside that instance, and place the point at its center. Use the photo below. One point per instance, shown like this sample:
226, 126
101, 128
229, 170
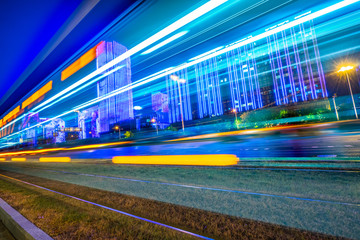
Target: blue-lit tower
208, 88
120, 107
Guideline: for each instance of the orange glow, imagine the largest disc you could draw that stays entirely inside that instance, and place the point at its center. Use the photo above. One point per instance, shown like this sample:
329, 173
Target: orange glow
242, 132
194, 160
47, 87
30, 152
34, 152
11, 114
98, 145
18, 159
2, 159
347, 68
80, 63
55, 159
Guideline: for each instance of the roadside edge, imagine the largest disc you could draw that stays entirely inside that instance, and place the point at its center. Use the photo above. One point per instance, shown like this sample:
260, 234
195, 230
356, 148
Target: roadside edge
18, 225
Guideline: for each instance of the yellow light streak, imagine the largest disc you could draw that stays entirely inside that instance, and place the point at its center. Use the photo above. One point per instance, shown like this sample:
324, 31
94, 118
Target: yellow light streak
242, 132
34, 152
18, 159
2, 159
189, 160
47, 87
31, 152
99, 145
11, 114
55, 159
79, 63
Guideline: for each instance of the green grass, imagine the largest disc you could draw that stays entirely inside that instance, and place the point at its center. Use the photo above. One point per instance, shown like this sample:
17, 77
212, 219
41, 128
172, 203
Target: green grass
65, 218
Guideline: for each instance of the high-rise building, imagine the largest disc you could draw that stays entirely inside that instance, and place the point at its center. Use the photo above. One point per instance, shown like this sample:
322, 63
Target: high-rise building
178, 91
120, 107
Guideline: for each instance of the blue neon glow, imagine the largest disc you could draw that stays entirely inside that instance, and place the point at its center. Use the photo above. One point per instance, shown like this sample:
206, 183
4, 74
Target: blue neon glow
200, 11
185, 65
163, 43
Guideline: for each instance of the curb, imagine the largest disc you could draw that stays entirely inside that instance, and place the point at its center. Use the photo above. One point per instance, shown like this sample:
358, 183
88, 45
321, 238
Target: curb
18, 225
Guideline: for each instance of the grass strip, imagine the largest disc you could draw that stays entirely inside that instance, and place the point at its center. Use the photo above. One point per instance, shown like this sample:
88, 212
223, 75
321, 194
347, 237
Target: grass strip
65, 218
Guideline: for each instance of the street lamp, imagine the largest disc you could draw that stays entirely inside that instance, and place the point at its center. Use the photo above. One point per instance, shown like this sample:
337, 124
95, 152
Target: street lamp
345, 69
236, 120
154, 121
235, 111
337, 115
118, 128
178, 80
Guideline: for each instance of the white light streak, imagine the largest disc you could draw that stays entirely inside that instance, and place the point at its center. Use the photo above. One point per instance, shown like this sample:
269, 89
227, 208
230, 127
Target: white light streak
170, 39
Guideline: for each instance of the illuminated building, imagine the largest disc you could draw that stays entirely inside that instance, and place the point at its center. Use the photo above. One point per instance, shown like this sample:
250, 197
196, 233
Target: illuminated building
160, 102
179, 92
208, 89
173, 74
89, 123
120, 107
243, 79
295, 65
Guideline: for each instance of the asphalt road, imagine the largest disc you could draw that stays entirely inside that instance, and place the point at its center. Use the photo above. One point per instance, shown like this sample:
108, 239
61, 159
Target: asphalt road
329, 141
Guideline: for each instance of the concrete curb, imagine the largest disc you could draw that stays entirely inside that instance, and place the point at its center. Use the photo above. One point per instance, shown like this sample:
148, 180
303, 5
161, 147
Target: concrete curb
18, 225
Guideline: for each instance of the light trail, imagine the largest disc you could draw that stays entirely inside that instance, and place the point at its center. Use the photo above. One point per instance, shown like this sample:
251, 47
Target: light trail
55, 159
33, 152
197, 13
209, 188
195, 160
109, 208
178, 24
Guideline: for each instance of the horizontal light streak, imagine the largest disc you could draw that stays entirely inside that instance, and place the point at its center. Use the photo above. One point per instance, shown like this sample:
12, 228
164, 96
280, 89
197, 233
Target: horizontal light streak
99, 145
2, 159
244, 132
30, 152
111, 209
47, 87
163, 43
55, 159
189, 160
18, 159
34, 152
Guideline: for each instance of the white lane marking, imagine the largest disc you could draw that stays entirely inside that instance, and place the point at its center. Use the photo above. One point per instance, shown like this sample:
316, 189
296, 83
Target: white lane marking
348, 145
266, 148
330, 146
314, 147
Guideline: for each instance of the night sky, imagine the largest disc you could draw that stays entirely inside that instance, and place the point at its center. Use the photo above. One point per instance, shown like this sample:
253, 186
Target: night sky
27, 26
